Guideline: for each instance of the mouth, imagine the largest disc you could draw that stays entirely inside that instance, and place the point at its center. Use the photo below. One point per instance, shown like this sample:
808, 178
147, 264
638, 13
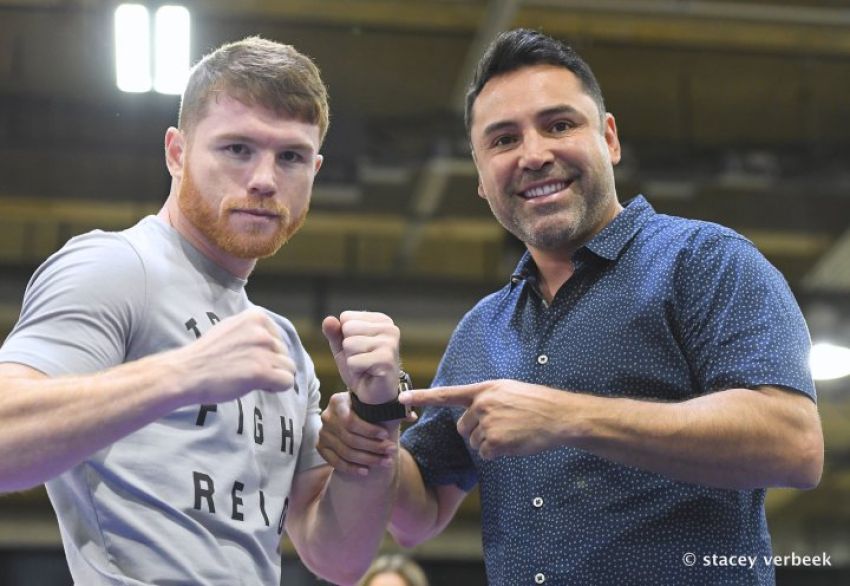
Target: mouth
544, 189
258, 213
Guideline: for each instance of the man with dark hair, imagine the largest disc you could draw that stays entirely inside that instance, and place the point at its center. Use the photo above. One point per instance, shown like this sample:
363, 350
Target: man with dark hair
624, 401
173, 421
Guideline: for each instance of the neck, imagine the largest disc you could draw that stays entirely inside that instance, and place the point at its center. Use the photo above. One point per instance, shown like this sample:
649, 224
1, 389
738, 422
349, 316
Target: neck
170, 214
554, 269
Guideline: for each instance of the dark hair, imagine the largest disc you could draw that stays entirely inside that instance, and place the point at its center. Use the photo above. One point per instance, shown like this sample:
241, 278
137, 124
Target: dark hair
520, 48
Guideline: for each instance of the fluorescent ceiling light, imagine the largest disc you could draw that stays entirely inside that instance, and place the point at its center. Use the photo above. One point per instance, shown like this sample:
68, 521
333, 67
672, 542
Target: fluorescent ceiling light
132, 48
171, 43
829, 361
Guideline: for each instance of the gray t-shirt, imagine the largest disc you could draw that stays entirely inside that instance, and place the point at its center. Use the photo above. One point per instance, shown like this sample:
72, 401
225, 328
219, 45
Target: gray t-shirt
199, 496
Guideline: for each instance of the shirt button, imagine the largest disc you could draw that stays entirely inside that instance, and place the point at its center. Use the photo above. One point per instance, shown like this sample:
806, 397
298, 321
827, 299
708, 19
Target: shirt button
537, 502
542, 359
539, 578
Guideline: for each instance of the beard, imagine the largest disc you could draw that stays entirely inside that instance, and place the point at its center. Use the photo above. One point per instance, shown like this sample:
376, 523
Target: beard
212, 222
561, 224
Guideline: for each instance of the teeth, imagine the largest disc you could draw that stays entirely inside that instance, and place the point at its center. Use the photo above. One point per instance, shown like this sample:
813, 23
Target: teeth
545, 189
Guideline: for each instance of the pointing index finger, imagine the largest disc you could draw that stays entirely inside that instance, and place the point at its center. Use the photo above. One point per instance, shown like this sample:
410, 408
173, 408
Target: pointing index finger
456, 396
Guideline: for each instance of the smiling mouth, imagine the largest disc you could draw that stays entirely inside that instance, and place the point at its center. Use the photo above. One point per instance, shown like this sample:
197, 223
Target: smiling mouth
544, 190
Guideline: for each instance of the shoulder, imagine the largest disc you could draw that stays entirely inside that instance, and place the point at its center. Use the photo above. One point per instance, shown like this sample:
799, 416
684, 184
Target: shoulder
716, 267
696, 246
98, 272
98, 241
689, 234
81, 306
103, 258
713, 250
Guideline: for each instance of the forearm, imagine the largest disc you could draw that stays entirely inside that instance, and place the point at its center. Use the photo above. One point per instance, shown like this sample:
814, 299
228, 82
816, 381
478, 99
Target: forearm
346, 523
416, 512
48, 425
735, 439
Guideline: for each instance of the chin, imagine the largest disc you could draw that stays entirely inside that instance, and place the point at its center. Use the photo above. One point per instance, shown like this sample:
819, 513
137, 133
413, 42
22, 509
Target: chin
252, 249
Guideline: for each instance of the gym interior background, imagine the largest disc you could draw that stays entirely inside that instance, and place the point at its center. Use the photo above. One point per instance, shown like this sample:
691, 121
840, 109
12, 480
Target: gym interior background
734, 112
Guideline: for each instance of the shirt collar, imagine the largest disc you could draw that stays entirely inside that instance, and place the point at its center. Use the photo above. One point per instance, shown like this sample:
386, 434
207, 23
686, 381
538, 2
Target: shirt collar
610, 241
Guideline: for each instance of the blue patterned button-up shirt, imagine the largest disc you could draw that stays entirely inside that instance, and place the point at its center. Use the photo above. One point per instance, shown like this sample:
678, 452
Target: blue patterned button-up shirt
659, 308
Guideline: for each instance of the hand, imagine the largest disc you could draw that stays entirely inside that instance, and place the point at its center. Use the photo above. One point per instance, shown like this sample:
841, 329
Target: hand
240, 354
502, 417
350, 444
365, 348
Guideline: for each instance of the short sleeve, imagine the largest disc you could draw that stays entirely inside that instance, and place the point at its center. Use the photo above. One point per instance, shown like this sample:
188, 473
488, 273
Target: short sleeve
433, 441
80, 308
741, 325
308, 455
439, 450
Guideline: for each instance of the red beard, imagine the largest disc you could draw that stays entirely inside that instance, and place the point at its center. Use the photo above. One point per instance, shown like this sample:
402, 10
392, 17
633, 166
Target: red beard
212, 223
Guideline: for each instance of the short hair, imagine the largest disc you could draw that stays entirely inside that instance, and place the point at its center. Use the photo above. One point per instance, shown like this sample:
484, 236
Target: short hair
398, 564
518, 48
257, 71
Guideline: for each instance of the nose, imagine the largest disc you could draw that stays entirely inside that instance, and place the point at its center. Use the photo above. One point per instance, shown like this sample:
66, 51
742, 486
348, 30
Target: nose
262, 181
535, 152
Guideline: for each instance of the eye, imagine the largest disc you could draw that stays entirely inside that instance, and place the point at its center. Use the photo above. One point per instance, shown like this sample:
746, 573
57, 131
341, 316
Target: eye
504, 140
561, 126
291, 157
237, 149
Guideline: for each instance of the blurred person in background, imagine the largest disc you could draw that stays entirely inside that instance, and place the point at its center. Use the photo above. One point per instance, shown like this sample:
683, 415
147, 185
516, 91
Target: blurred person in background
394, 570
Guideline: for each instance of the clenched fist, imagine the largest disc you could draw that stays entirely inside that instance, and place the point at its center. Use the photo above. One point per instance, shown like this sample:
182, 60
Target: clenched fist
365, 348
238, 355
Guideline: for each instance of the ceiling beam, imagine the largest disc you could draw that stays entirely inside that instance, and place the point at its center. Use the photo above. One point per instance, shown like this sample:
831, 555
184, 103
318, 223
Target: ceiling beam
723, 25
498, 18
699, 24
437, 172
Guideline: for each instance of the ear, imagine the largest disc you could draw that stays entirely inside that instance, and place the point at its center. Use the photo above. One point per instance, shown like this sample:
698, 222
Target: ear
319, 159
612, 139
175, 150
481, 193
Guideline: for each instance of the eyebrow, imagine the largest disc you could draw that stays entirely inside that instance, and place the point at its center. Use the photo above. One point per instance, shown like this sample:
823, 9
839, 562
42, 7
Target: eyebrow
556, 110
236, 137
548, 112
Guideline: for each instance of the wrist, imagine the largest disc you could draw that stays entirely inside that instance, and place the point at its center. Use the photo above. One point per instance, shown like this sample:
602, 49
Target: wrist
389, 411
386, 411
586, 422
175, 369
